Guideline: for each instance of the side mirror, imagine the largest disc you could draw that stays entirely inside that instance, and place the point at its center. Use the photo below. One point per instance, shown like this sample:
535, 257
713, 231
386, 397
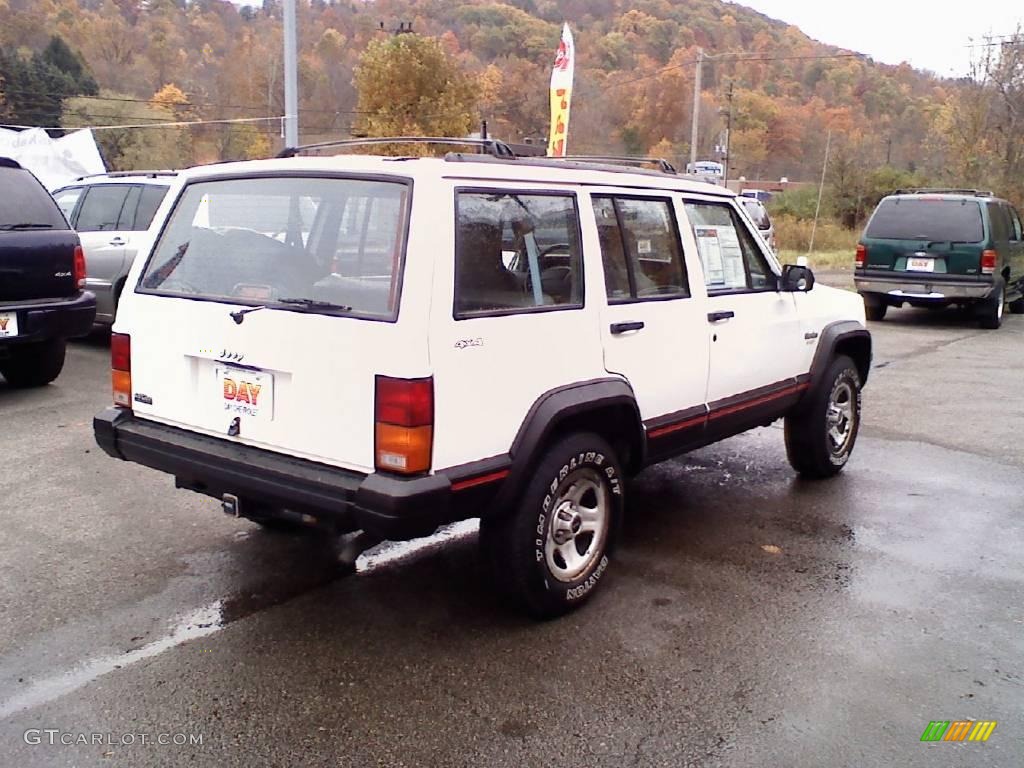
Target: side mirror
797, 278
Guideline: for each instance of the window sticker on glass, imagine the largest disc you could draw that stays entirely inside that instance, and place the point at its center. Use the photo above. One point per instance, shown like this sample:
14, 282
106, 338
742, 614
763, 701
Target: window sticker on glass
643, 247
710, 251
722, 257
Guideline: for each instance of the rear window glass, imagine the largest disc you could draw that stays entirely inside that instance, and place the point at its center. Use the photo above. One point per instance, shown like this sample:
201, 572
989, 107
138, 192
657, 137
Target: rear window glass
101, 210
150, 200
25, 204
331, 245
757, 213
927, 219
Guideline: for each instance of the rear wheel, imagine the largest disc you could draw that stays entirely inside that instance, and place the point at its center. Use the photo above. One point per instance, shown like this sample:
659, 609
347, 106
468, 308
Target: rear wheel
34, 365
875, 309
551, 550
1017, 307
990, 312
821, 436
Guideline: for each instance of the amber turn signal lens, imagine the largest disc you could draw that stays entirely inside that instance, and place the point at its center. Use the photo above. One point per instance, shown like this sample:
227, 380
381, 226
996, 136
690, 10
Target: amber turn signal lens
403, 449
122, 385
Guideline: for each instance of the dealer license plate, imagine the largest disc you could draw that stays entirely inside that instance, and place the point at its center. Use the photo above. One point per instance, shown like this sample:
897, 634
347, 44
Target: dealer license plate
246, 393
8, 324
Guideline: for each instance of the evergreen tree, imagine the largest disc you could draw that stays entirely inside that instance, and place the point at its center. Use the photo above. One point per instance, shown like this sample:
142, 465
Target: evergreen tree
35, 88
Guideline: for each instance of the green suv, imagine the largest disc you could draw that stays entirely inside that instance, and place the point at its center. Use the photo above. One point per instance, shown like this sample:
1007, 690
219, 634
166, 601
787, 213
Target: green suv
937, 247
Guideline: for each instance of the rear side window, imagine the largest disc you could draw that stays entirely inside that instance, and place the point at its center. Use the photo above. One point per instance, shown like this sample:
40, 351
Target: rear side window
1015, 233
927, 218
25, 204
1000, 219
126, 221
640, 248
101, 209
757, 213
330, 245
149, 201
515, 252
67, 199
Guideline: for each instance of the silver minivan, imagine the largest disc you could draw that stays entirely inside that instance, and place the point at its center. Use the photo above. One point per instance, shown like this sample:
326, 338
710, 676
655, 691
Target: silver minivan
112, 212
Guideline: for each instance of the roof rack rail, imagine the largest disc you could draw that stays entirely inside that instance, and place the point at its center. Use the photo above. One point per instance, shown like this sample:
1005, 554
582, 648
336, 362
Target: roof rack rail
491, 147
124, 174
663, 165
943, 191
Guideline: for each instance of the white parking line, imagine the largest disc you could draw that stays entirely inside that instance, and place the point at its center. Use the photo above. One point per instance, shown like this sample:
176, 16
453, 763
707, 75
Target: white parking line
199, 623
206, 621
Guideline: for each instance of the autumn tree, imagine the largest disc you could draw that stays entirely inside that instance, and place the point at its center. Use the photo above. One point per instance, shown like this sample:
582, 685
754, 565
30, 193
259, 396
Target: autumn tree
128, 148
409, 86
634, 79
180, 138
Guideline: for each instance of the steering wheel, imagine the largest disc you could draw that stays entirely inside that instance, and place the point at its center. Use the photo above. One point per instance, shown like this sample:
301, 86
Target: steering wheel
555, 248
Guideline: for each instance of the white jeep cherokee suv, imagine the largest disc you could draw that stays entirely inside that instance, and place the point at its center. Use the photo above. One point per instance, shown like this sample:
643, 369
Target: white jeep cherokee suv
377, 346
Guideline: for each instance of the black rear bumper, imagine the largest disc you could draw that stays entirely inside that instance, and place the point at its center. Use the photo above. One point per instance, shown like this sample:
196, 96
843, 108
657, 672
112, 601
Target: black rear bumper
389, 507
52, 319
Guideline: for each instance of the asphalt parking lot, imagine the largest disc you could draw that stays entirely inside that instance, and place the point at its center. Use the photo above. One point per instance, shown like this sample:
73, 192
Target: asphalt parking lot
749, 620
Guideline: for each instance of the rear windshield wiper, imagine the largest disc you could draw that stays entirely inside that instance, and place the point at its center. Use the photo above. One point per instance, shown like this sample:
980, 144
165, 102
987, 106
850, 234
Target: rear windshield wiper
314, 304
311, 304
25, 225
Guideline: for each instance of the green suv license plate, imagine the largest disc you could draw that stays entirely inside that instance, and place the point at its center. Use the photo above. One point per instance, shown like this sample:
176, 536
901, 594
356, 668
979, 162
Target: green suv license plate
920, 264
8, 324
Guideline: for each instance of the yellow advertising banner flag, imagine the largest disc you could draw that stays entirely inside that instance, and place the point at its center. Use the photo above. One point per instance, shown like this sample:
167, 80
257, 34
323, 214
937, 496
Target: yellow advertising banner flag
561, 94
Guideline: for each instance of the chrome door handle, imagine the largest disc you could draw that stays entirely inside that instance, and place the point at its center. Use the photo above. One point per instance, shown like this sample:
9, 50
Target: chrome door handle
619, 328
717, 317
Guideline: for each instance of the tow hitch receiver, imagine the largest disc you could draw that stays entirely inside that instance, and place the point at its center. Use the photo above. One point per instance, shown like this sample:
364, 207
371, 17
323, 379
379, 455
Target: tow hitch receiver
231, 505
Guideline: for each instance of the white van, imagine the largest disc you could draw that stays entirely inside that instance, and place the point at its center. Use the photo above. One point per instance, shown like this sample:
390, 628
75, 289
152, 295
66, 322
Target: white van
390, 344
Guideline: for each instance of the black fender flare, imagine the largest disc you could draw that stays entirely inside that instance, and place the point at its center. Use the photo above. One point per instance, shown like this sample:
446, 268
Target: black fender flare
554, 408
833, 336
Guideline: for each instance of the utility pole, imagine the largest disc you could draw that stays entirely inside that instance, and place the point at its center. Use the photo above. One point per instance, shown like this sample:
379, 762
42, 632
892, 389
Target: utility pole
291, 79
821, 189
695, 130
728, 136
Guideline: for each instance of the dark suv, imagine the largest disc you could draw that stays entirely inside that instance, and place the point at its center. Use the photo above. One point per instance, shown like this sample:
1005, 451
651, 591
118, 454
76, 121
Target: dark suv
936, 247
42, 274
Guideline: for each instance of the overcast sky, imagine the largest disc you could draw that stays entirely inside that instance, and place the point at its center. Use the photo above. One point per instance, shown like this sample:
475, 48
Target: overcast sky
930, 34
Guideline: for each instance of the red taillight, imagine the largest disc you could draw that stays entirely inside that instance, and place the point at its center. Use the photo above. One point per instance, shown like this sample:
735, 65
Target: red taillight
988, 262
79, 267
405, 402
404, 424
862, 255
121, 368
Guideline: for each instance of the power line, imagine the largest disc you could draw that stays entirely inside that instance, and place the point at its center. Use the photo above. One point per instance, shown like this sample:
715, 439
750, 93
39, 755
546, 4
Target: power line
755, 56
126, 99
175, 124
997, 43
